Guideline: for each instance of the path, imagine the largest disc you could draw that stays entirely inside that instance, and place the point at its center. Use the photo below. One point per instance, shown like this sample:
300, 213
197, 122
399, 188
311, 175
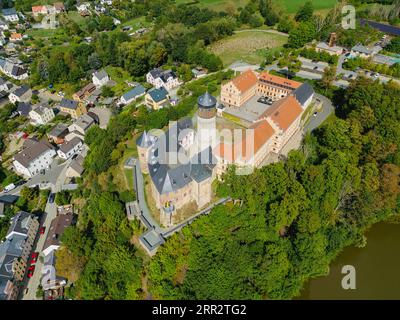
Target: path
263, 30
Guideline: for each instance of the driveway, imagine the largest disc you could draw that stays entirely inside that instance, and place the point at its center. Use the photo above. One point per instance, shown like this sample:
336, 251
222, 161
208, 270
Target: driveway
327, 110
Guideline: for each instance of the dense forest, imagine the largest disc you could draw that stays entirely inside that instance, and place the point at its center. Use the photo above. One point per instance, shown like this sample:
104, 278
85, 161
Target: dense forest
295, 216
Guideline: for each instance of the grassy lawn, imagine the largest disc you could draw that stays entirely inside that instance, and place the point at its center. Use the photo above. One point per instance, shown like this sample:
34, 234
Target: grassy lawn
293, 5
218, 5
77, 18
249, 46
136, 23
119, 75
41, 33
130, 151
290, 5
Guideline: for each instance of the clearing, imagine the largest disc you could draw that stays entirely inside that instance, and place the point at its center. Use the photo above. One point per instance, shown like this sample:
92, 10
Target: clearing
248, 46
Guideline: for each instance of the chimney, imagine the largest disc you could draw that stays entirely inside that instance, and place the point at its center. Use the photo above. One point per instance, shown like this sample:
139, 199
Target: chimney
332, 39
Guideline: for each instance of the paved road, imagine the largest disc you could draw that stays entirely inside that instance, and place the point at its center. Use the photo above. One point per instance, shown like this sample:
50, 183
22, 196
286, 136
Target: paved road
327, 110
34, 282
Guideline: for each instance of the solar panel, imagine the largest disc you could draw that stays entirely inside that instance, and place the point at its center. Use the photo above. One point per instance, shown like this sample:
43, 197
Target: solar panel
382, 27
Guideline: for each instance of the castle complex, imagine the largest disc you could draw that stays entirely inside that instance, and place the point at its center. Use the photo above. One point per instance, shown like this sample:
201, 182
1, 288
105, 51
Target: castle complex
183, 161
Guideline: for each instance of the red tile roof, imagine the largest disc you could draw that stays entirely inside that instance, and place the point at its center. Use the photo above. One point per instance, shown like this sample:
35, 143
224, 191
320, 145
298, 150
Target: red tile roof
245, 81
284, 112
262, 131
279, 80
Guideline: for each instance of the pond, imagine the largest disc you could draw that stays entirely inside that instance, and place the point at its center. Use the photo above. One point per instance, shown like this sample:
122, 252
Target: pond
377, 268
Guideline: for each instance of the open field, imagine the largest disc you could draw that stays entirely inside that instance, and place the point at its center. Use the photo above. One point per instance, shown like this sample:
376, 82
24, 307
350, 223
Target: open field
218, 5
291, 6
41, 33
136, 23
246, 46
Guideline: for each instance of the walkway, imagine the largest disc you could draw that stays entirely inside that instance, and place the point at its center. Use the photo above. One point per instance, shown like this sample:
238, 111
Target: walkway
263, 30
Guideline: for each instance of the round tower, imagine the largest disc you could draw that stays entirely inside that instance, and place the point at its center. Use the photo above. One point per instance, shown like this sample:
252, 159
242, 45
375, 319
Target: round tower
206, 121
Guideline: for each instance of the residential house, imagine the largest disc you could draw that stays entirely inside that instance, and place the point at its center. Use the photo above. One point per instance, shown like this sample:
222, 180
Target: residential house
332, 50
15, 252
69, 148
10, 15
39, 10
84, 93
13, 70
59, 7
57, 227
364, 52
163, 78
132, 95
83, 7
24, 108
240, 89
199, 72
35, 156
4, 25
74, 108
57, 133
4, 88
15, 37
100, 78
41, 115
157, 98
20, 94
80, 127
76, 168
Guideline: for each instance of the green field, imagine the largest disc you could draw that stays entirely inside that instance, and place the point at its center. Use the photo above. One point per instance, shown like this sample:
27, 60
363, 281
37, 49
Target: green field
136, 23
290, 5
247, 46
218, 5
41, 33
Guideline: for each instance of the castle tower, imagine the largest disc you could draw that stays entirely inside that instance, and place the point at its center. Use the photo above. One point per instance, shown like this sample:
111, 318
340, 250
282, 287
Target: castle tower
143, 145
206, 121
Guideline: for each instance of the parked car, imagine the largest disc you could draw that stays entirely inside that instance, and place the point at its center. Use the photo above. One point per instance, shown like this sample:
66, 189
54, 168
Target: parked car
34, 257
42, 230
315, 114
30, 274
52, 197
31, 268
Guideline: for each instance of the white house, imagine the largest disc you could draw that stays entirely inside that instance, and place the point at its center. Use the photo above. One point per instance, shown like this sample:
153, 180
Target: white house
13, 70
20, 94
3, 25
35, 156
100, 78
107, 2
69, 148
80, 127
10, 15
160, 78
41, 115
83, 7
364, 52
